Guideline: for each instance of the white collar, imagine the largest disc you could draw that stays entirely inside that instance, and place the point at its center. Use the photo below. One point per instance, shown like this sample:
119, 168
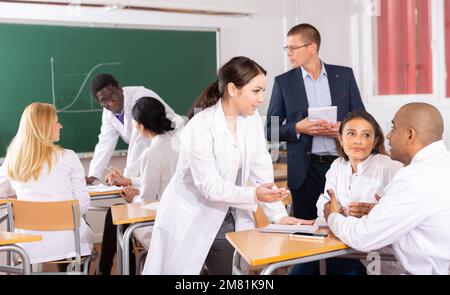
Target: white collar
437, 146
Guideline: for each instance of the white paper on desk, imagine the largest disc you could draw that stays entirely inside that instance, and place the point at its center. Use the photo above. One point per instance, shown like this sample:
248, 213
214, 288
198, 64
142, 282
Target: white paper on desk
325, 113
151, 206
288, 228
101, 188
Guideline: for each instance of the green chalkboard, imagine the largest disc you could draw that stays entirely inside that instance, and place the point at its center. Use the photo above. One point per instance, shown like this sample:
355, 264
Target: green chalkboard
56, 64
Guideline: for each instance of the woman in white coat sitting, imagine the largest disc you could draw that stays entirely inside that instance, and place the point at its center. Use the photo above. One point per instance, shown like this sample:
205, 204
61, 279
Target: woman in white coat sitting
358, 177
40, 171
156, 167
223, 172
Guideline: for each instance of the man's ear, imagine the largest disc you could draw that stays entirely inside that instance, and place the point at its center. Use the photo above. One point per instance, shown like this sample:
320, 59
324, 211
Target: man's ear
412, 134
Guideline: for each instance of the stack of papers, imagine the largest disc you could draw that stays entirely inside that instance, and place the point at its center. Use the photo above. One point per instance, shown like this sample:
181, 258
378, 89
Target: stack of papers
325, 113
102, 188
288, 229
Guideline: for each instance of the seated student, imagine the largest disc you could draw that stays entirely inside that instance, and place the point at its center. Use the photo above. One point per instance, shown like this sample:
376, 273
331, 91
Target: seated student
40, 171
414, 213
157, 165
358, 177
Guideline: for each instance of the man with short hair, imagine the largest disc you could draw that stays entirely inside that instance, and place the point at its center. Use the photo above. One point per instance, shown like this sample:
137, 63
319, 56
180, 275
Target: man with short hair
414, 213
311, 145
117, 103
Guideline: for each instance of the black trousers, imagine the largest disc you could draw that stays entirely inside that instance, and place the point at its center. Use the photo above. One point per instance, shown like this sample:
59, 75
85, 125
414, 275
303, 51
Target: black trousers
220, 258
304, 199
109, 247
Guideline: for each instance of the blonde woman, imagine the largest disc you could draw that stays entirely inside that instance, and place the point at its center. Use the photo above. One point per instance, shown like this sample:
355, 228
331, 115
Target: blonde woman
40, 171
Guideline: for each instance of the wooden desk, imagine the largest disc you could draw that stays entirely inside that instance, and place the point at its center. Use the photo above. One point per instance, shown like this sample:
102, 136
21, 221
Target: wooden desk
8, 238
7, 243
105, 195
131, 213
274, 250
138, 217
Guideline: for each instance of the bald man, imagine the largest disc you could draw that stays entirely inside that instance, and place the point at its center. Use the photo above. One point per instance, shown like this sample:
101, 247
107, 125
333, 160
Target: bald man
414, 214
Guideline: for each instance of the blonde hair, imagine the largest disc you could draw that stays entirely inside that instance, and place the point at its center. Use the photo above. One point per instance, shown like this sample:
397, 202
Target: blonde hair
32, 146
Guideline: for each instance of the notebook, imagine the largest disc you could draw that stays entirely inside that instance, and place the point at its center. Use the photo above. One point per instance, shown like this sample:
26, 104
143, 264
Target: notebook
288, 229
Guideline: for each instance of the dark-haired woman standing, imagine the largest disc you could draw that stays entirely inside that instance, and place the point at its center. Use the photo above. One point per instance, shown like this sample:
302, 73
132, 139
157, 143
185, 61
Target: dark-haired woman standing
224, 170
156, 166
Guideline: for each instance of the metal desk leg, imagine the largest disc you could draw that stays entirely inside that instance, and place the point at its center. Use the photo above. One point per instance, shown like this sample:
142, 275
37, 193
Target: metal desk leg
323, 267
236, 267
119, 240
126, 244
268, 269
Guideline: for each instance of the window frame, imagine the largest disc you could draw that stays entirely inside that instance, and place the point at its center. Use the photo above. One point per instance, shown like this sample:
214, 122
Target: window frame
368, 53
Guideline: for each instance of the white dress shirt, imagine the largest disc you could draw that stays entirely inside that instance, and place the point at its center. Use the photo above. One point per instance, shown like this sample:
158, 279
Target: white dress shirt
413, 215
112, 128
64, 182
372, 176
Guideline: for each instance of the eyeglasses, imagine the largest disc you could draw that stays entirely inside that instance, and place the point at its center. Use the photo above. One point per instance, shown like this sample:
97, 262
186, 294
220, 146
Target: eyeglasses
294, 48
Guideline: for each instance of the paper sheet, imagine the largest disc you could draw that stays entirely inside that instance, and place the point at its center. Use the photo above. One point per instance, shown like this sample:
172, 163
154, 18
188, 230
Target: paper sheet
325, 113
288, 229
101, 188
151, 206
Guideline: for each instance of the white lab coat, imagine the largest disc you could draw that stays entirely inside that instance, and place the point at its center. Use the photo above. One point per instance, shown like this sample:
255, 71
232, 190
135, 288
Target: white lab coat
112, 128
157, 166
413, 215
64, 182
374, 174
197, 198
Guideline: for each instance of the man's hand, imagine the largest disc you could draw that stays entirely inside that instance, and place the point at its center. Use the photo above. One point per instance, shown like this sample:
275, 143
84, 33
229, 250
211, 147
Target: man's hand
311, 127
332, 129
315, 128
332, 206
129, 193
91, 179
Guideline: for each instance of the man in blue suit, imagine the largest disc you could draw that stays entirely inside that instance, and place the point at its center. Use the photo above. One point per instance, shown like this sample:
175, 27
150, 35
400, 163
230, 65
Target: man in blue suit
311, 145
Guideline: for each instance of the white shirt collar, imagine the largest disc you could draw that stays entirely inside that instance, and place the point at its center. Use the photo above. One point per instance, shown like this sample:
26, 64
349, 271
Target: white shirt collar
437, 146
323, 71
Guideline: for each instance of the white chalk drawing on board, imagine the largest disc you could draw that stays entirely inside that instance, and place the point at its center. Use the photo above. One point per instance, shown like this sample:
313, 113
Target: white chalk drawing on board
65, 109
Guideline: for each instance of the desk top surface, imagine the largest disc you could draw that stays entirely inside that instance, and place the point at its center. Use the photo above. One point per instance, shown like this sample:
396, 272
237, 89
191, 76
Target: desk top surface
8, 238
131, 213
262, 248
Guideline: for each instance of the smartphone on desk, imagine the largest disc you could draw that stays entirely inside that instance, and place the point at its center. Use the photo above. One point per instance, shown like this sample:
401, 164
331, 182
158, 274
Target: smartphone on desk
319, 236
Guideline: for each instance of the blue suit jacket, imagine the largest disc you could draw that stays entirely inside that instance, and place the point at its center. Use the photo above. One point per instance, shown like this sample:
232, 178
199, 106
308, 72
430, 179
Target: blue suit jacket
289, 102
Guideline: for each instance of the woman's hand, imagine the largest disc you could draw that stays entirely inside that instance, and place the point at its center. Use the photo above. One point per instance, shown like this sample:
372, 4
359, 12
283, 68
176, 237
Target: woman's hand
269, 193
129, 193
295, 221
359, 209
115, 177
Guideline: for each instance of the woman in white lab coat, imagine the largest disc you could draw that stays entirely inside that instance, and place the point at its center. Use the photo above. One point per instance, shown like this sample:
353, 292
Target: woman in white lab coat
224, 170
358, 177
156, 167
40, 171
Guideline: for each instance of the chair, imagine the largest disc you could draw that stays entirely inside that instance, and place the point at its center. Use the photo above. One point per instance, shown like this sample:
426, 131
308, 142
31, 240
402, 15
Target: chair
51, 216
